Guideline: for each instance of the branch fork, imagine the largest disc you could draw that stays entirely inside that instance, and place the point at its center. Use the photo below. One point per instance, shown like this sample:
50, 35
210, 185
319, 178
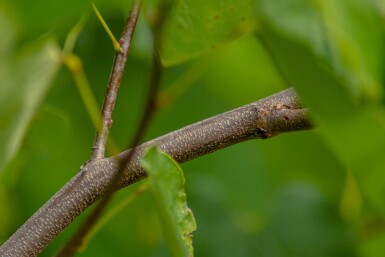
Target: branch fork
261, 119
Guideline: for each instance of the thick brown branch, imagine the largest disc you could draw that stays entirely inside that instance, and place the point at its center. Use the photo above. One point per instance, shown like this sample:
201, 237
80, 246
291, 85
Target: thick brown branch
98, 148
276, 114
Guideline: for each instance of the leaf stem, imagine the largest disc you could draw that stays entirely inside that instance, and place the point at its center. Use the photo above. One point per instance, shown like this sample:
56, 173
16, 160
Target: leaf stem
115, 42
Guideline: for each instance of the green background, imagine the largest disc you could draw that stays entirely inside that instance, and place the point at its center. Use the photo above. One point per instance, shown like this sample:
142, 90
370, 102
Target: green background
311, 193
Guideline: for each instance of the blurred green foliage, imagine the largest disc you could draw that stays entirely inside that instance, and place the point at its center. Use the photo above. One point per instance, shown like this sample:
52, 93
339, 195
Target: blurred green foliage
313, 193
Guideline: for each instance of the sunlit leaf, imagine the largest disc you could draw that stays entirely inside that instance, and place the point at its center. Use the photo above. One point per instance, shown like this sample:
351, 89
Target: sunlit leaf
167, 185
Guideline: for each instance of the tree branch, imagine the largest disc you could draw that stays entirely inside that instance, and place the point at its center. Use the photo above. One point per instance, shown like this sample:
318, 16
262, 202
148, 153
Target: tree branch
77, 239
98, 148
279, 113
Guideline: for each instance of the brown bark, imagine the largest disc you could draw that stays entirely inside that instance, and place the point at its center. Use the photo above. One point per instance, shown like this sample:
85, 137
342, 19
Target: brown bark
279, 113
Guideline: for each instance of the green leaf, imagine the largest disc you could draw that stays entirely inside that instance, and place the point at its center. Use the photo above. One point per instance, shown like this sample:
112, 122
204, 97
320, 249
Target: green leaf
21, 94
167, 185
197, 26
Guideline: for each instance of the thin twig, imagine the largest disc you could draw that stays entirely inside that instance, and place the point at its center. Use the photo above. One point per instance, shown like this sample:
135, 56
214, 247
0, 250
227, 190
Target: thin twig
262, 119
75, 242
98, 148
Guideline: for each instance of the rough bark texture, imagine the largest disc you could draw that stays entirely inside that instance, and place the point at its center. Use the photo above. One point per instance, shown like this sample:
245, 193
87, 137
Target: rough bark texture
265, 118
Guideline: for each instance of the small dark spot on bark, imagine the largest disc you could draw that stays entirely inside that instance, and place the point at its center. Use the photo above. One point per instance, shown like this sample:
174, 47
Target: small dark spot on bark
286, 117
121, 41
262, 133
